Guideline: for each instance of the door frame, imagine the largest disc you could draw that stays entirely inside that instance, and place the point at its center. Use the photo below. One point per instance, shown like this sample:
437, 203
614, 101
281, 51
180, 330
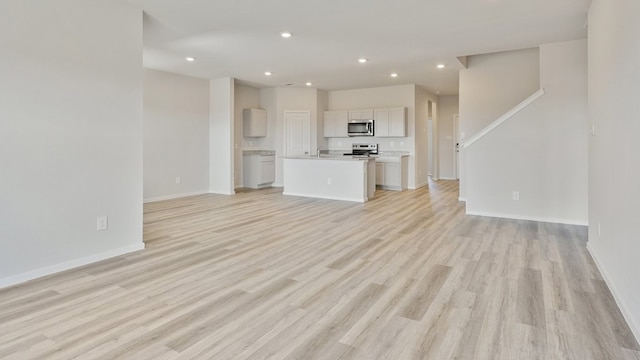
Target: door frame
284, 143
456, 146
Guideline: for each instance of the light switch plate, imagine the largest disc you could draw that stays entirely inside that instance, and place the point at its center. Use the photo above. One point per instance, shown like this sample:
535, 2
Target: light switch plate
102, 223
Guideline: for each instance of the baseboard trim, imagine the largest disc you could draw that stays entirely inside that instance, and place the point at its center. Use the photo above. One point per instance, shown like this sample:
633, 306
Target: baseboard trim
232, 192
462, 199
529, 218
175, 196
635, 328
49, 270
324, 197
418, 186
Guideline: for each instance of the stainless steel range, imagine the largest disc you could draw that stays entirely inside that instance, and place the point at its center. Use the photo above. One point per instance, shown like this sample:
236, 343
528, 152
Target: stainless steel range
364, 150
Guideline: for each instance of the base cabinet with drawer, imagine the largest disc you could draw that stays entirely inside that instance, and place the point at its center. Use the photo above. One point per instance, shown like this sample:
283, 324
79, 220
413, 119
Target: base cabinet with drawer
391, 172
259, 171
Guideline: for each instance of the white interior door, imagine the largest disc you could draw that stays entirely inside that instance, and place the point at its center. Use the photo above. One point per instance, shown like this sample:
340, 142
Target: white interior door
297, 132
430, 147
456, 146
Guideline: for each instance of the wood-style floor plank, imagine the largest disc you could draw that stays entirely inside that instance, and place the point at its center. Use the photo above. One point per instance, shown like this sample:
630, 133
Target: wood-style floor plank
259, 275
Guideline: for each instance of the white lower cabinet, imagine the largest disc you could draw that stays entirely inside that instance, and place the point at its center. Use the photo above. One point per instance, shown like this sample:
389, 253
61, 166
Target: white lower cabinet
259, 170
391, 172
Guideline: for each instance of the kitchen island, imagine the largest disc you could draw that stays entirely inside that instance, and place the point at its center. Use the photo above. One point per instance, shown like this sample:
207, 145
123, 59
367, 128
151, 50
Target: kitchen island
330, 177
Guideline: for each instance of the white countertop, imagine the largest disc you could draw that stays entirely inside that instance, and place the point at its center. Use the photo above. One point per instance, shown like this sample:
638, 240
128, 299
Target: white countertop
381, 154
392, 153
329, 157
258, 152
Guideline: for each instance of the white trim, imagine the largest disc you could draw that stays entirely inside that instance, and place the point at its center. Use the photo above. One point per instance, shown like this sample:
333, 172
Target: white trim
447, 178
516, 109
308, 112
456, 150
34, 274
325, 197
462, 199
529, 218
418, 186
233, 192
635, 328
175, 196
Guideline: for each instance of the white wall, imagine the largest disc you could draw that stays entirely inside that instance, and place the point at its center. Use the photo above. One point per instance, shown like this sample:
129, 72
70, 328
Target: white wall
541, 151
448, 106
70, 134
491, 85
322, 106
268, 98
422, 141
614, 168
176, 135
221, 136
245, 97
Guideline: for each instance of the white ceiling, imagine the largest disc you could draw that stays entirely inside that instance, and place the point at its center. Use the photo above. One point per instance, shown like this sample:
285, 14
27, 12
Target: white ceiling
241, 38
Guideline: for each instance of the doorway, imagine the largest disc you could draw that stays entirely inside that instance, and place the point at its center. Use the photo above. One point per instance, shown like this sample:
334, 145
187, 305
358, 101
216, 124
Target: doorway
297, 133
430, 147
456, 146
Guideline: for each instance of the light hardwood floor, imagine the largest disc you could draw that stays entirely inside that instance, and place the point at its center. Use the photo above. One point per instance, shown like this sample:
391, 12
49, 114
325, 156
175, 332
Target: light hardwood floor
260, 275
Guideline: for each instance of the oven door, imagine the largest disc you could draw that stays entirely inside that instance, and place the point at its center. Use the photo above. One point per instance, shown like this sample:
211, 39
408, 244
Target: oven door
360, 128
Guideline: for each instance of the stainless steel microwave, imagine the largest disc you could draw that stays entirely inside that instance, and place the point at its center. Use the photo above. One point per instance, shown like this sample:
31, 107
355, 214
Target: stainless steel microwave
360, 127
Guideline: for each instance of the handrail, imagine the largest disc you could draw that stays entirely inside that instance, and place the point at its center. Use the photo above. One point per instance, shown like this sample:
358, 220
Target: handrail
516, 109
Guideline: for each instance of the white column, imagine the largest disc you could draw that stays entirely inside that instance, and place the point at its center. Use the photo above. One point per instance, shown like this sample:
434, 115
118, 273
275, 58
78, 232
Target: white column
221, 105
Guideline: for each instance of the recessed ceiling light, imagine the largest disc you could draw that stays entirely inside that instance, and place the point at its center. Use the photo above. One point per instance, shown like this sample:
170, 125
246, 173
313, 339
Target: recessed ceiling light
393, 75
268, 73
440, 66
190, 58
362, 60
285, 34
309, 84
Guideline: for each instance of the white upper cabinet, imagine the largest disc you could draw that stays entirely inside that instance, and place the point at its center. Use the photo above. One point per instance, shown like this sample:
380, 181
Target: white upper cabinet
254, 122
381, 122
335, 123
365, 114
390, 122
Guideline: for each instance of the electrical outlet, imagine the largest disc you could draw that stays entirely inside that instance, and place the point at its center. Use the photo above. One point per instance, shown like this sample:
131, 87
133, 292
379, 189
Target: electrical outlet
102, 223
328, 181
178, 180
516, 195
393, 144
